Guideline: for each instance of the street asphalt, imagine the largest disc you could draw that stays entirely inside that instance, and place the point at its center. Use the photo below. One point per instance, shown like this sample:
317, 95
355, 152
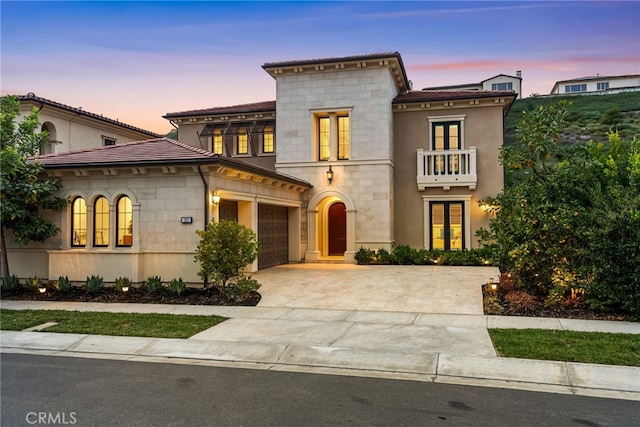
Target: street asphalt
399, 322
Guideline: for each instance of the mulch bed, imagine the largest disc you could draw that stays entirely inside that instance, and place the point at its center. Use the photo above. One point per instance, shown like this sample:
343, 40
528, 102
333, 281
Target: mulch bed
136, 295
518, 303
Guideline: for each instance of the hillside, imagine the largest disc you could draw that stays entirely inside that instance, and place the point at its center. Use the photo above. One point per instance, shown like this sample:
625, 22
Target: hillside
590, 116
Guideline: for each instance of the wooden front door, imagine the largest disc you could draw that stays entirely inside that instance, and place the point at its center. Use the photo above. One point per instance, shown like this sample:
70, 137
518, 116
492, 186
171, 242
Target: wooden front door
337, 229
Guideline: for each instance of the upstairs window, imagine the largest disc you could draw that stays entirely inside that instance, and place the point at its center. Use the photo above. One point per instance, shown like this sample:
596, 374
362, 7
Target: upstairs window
333, 135
78, 222
124, 221
267, 141
324, 138
101, 222
575, 88
603, 86
343, 137
107, 141
502, 86
217, 143
243, 144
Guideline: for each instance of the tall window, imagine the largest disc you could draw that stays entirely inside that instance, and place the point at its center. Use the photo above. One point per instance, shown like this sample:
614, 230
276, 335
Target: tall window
446, 136
324, 138
267, 141
217, 143
243, 144
343, 137
446, 225
78, 222
101, 222
124, 221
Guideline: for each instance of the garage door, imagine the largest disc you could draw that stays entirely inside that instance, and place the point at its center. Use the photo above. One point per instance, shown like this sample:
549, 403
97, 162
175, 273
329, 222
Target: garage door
273, 235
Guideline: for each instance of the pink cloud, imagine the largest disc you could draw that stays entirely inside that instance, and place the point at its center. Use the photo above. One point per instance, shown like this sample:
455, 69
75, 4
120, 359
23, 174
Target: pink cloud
553, 64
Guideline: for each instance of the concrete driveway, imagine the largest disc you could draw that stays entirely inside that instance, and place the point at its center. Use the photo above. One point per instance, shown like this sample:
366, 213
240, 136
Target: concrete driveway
395, 288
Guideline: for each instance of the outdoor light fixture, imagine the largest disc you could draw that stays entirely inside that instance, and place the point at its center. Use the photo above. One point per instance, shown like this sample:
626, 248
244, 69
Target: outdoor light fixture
492, 285
42, 289
215, 198
330, 175
125, 289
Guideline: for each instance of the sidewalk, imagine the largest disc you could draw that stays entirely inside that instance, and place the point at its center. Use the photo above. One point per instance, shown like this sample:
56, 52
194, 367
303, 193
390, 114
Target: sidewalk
446, 348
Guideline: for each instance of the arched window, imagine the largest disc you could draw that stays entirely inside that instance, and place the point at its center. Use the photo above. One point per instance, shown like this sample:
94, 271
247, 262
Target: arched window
51, 130
124, 221
78, 222
101, 222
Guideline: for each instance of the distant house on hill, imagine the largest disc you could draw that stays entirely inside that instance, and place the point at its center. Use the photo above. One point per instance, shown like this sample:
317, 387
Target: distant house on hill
499, 82
597, 84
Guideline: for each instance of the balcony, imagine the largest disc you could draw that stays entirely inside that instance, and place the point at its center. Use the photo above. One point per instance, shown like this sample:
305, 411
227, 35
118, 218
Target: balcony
447, 168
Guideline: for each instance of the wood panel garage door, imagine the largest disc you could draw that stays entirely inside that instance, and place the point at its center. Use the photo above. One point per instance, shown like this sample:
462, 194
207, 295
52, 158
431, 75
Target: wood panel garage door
273, 235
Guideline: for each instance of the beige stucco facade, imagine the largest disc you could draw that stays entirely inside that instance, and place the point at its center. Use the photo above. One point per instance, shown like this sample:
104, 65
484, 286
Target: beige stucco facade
354, 162
482, 129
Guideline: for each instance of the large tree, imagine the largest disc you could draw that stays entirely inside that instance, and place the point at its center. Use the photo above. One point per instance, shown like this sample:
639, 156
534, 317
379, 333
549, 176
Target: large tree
25, 191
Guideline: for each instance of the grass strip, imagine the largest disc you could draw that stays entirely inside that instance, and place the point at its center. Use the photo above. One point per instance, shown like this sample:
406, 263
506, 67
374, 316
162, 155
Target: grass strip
568, 346
118, 324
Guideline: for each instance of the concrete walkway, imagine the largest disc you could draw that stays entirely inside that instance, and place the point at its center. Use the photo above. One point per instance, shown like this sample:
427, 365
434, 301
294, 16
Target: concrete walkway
385, 322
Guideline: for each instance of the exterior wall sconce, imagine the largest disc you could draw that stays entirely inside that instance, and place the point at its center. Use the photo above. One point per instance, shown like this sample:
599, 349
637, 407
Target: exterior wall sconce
330, 175
215, 199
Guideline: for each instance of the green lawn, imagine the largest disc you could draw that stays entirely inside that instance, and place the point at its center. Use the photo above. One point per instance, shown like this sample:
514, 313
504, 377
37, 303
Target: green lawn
568, 346
119, 324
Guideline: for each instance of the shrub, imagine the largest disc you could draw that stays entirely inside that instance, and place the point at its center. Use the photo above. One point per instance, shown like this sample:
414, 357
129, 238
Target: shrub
10, 283
403, 255
383, 257
242, 288
466, 257
521, 301
177, 286
33, 283
63, 284
94, 284
224, 249
364, 256
122, 282
154, 284
492, 305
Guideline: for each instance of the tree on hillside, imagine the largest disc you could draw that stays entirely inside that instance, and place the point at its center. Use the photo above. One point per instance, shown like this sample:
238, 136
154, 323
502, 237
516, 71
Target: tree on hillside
25, 192
570, 219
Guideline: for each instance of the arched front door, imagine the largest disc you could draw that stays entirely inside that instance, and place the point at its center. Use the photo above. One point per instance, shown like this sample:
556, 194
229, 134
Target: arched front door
337, 229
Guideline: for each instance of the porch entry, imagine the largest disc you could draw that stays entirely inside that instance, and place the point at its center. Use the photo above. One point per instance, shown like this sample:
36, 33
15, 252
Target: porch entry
337, 233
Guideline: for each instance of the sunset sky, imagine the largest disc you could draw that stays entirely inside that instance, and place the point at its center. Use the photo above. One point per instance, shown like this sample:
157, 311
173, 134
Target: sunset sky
136, 61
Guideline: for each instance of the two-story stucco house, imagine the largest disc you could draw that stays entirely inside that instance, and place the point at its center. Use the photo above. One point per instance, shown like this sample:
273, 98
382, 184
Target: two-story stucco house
346, 156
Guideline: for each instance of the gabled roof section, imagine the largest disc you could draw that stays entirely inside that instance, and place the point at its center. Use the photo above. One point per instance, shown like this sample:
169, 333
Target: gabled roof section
31, 97
501, 75
153, 152
256, 107
392, 60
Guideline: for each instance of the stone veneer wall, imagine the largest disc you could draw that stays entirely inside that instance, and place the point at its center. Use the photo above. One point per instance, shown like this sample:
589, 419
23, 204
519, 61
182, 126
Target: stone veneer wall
367, 177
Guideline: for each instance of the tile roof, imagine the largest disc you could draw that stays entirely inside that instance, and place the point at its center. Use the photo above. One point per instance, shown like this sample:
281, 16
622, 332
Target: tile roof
332, 60
437, 95
152, 152
233, 109
31, 97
